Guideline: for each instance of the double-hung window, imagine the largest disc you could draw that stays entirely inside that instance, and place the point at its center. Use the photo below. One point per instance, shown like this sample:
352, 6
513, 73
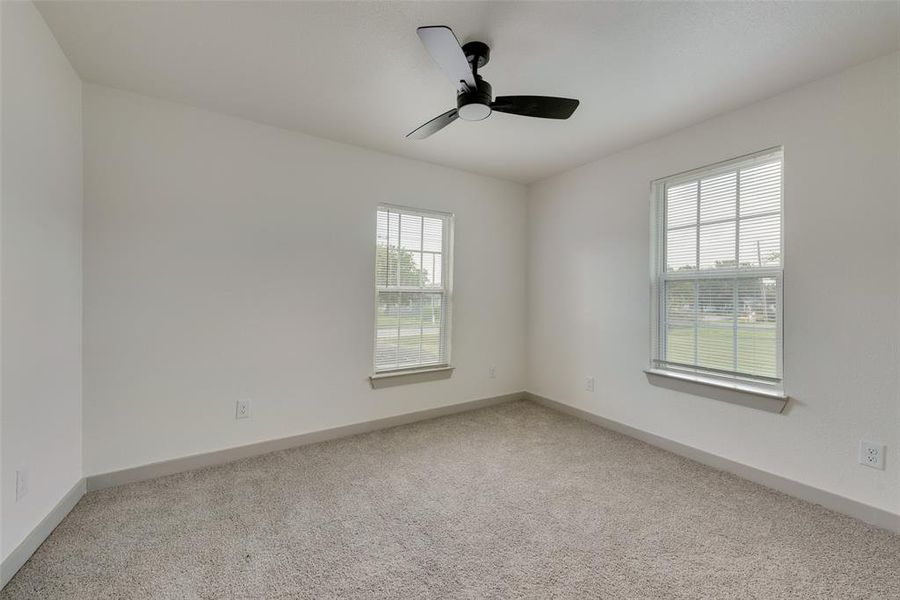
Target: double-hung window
717, 272
413, 275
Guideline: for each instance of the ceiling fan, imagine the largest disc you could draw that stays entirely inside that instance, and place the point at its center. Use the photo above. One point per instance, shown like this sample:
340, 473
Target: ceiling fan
473, 94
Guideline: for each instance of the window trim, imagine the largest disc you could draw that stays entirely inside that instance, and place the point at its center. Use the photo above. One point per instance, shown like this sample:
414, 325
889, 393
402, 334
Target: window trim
751, 396
771, 387
446, 289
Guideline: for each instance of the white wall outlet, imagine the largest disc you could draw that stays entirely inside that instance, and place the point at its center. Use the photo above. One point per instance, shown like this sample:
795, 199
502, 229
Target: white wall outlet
242, 409
871, 455
492, 372
589, 384
21, 484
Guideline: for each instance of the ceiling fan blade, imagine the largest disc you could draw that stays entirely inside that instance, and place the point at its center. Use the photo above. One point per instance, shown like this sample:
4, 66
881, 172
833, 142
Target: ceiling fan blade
545, 107
434, 125
444, 48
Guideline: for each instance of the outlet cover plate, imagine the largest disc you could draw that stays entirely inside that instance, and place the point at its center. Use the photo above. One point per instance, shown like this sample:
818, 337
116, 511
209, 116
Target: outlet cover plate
871, 454
21, 484
242, 409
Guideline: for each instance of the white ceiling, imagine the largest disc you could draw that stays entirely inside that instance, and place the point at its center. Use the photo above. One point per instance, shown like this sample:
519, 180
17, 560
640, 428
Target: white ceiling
357, 73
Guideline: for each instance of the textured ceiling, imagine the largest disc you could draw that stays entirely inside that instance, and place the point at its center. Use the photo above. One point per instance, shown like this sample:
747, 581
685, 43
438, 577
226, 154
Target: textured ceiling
357, 73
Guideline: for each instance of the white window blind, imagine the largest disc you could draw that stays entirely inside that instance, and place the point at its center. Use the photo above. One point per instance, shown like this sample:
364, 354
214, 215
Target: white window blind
717, 273
413, 259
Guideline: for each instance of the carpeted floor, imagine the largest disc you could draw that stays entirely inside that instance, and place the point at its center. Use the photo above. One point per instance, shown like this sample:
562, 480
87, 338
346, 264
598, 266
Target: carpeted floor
513, 501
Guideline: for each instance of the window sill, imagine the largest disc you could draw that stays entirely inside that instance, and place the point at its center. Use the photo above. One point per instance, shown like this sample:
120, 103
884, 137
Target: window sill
745, 394
392, 378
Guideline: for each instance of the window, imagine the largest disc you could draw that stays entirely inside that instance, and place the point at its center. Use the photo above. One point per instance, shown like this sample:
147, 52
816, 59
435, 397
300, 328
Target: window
717, 272
413, 258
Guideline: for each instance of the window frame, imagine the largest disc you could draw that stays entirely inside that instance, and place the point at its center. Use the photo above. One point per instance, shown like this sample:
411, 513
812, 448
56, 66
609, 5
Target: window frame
659, 276
446, 291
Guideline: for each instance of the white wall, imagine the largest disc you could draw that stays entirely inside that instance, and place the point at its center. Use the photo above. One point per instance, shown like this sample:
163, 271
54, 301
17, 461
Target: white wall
588, 285
207, 237
226, 259
40, 303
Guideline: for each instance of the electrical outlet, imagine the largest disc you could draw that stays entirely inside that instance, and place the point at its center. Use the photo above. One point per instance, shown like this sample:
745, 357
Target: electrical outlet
492, 372
871, 455
242, 409
21, 484
589, 384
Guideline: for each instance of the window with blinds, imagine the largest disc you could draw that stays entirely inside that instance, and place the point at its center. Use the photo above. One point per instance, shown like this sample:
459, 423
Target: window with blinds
718, 263
413, 258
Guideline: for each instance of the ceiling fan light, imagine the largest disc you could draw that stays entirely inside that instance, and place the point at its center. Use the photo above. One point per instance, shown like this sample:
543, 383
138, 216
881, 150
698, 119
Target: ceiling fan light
474, 111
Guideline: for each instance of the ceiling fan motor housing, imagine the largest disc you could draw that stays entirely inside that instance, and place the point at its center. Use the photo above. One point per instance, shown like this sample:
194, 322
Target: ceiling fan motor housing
475, 105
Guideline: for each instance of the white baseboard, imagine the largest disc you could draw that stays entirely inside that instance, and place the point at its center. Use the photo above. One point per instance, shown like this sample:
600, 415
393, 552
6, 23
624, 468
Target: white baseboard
20, 555
219, 457
847, 506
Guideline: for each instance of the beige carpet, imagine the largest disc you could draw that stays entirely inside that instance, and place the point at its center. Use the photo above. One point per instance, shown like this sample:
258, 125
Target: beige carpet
513, 501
